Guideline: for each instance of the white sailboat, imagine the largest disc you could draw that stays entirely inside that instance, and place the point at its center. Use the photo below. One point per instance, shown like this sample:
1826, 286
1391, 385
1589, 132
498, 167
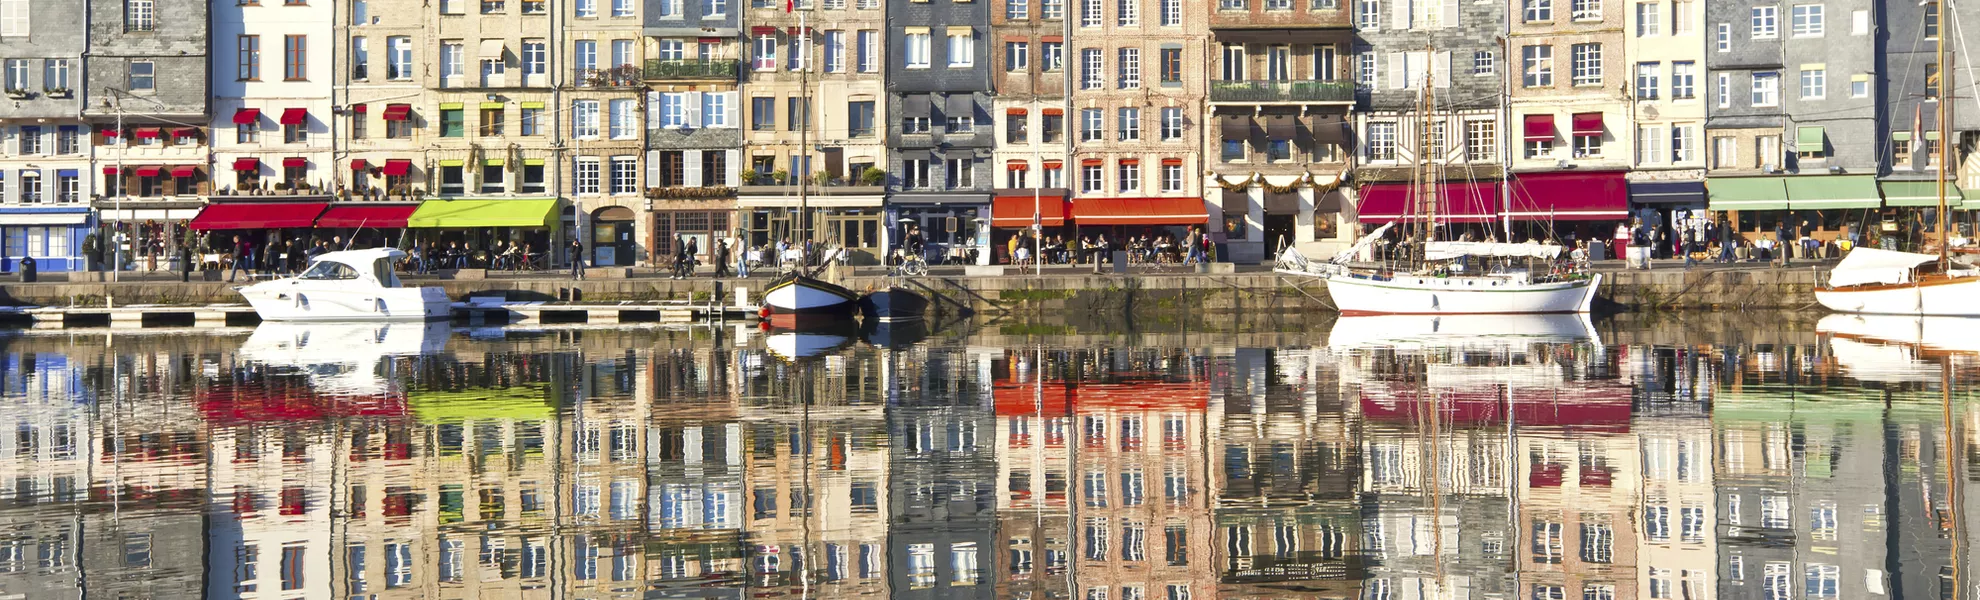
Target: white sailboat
1442, 277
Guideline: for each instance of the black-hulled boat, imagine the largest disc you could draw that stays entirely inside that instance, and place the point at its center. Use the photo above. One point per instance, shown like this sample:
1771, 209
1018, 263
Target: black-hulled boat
893, 304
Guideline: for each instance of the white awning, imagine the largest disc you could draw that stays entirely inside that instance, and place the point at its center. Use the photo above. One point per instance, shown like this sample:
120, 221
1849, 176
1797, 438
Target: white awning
41, 218
149, 214
491, 49
1874, 266
1450, 250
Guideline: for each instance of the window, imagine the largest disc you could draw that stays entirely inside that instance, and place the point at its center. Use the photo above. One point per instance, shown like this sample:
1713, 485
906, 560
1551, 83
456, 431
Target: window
1054, 56
533, 57
764, 58
360, 59
140, 15
1093, 126
797, 113
1684, 76
1537, 68
1724, 90
451, 122
1090, 182
1129, 63
1090, 74
1278, 62
17, 74
1127, 13
1128, 176
1382, 141
962, 49
1931, 80
1931, 20
143, 75
295, 134
1822, 581
1171, 13
763, 114
586, 9
1539, 149
248, 57
1587, 146
1681, 14
1587, 64
1234, 62
1017, 10
1172, 177
1647, 23
1368, 15
1055, 176
1130, 123
623, 119
1646, 80
1814, 84
1548, 548
914, 175
859, 118
1172, 124
1586, 10
491, 121
398, 58
1722, 38
915, 125
1767, 149
450, 62
625, 175
30, 140
1017, 128
1017, 56
295, 52
1766, 22
1089, 13
1805, 20
68, 140
1052, 10
1597, 543
247, 133
14, 18
1683, 141
529, 121
584, 119
1482, 63
835, 52
917, 51
584, 176
1052, 127
491, 7
1538, 10
584, 54
1766, 89
1859, 86
1725, 152
1480, 140
453, 179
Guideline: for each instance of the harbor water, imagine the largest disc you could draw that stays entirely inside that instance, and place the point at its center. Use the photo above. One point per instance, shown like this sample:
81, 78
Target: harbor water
1684, 456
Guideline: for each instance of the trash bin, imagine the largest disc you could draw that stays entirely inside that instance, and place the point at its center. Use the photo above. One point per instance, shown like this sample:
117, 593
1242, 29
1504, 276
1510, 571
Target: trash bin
1120, 262
28, 271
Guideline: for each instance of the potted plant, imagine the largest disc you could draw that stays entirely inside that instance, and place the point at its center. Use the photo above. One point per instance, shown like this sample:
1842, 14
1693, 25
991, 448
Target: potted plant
822, 179
780, 176
746, 177
281, 186
19, 94
873, 176
60, 92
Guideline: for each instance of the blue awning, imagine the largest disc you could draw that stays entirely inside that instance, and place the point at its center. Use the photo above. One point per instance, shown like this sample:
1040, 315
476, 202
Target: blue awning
68, 173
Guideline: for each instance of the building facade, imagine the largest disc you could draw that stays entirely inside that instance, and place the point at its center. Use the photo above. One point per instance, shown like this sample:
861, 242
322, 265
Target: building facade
45, 179
693, 121
599, 44
939, 151
147, 97
1028, 60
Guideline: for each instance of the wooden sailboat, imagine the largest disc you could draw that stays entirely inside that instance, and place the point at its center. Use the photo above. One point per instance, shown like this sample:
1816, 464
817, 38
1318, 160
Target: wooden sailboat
799, 298
1440, 277
1874, 281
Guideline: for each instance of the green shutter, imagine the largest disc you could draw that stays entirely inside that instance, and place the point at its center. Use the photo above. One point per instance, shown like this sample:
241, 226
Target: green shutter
1809, 137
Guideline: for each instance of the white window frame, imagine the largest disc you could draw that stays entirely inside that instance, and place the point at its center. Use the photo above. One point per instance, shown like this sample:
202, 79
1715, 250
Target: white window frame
1807, 20
1767, 93
962, 51
1587, 64
916, 48
1648, 23
1814, 84
1766, 21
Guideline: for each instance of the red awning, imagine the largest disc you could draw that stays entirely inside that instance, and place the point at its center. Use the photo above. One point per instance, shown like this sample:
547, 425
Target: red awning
397, 167
357, 164
257, 215
295, 161
1017, 165
1059, 398
1172, 162
1570, 196
185, 171
360, 108
1054, 112
1475, 202
294, 116
1588, 124
185, 132
1129, 161
145, 133
149, 171
1014, 111
247, 164
387, 216
763, 30
1015, 210
1539, 128
109, 170
1140, 211
397, 112
246, 115
709, 40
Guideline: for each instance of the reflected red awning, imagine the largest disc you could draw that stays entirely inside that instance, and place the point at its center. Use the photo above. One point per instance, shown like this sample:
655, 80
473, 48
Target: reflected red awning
295, 161
185, 171
397, 112
358, 164
1015, 210
397, 167
1058, 398
1570, 196
1588, 124
1140, 211
257, 215
294, 116
149, 171
1540, 128
386, 216
1474, 202
236, 404
247, 164
246, 115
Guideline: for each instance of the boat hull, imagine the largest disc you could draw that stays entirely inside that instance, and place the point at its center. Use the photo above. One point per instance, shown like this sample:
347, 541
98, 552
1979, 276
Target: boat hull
1958, 297
284, 301
810, 298
893, 304
1413, 295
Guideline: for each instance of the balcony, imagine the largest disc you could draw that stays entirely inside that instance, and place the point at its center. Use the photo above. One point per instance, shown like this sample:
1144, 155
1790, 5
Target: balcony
718, 69
615, 77
1266, 92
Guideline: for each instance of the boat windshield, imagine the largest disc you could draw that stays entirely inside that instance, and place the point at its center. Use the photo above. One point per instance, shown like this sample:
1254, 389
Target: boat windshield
329, 270
382, 268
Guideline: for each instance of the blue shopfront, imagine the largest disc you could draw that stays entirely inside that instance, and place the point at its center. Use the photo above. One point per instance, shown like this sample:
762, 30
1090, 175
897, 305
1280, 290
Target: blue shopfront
53, 235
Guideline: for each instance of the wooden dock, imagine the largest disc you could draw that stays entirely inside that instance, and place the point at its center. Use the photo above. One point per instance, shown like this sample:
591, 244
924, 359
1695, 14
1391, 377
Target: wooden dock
471, 313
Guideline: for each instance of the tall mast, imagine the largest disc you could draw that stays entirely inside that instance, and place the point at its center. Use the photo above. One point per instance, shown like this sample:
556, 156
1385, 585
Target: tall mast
1945, 127
1427, 167
804, 143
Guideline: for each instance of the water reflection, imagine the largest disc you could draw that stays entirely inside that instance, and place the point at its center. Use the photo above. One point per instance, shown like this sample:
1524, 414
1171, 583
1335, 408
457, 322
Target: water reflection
1381, 458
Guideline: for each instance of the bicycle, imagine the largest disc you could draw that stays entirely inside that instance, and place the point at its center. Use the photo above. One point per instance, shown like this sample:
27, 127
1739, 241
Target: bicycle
910, 264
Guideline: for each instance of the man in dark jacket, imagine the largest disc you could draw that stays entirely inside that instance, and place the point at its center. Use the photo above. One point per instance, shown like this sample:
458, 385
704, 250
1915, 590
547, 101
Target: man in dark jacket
1783, 243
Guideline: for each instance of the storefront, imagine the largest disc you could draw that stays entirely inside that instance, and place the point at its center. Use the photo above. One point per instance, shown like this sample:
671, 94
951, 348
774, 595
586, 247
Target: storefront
956, 226
158, 228
612, 241
1123, 218
1563, 205
1462, 207
367, 224
479, 226
1015, 211
261, 224
53, 235
849, 217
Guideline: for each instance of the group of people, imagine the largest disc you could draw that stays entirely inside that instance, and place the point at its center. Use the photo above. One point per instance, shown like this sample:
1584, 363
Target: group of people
281, 257
1195, 247
427, 257
1701, 239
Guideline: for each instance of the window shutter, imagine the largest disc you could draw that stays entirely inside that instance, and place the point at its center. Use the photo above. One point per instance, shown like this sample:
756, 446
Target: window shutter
653, 167
1440, 69
653, 112
731, 109
1450, 13
1399, 13
691, 168
733, 163
1398, 75
692, 100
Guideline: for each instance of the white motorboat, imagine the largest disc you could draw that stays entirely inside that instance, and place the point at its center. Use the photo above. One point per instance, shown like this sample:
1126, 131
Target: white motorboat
347, 285
1885, 282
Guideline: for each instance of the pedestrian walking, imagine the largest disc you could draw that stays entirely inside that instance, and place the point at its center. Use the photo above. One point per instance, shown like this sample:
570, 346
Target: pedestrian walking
721, 258
577, 259
1783, 244
239, 262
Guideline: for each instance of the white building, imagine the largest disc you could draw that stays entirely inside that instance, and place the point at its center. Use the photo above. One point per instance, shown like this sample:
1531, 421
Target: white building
271, 110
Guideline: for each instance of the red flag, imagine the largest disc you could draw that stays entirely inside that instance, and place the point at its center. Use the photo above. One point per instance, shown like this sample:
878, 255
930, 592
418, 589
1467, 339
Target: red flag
790, 5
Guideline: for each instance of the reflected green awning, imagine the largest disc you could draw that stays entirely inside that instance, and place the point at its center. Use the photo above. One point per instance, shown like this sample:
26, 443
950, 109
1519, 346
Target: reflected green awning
532, 212
1746, 193
1833, 191
1807, 137
1919, 193
523, 403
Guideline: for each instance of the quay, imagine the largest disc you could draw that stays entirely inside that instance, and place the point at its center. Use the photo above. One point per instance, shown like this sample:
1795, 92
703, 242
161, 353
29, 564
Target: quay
626, 296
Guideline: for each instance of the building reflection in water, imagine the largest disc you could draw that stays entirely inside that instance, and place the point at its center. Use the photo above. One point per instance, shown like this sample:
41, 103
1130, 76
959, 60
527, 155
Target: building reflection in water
673, 464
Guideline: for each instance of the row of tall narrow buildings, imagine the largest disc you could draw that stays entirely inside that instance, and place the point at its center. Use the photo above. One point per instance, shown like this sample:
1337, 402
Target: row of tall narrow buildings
970, 119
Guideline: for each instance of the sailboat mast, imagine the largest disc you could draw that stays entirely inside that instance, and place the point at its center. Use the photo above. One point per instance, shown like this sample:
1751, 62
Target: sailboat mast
1945, 138
804, 142
1427, 167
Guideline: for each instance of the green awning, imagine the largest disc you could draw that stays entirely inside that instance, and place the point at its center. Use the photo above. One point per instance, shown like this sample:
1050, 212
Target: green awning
454, 214
1972, 199
1819, 192
1900, 136
1746, 193
1808, 137
525, 403
1919, 193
